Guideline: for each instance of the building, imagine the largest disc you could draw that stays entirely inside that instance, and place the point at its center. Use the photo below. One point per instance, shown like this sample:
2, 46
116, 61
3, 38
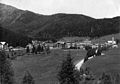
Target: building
112, 42
87, 42
59, 44
3, 45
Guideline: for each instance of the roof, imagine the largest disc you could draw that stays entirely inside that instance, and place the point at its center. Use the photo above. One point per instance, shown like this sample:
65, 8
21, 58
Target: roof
61, 42
2, 43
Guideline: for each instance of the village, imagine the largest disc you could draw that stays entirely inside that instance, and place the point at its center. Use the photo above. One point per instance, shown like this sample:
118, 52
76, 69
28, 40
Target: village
66, 43
59, 41
62, 44
39, 47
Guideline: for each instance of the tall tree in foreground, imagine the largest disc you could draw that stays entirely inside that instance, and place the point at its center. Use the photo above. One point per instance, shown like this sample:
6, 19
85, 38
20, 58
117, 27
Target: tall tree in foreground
106, 78
6, 72
28, 79
66, 75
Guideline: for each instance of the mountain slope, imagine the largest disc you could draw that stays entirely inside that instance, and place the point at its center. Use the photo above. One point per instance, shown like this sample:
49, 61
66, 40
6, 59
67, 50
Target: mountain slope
55, 26
13, 39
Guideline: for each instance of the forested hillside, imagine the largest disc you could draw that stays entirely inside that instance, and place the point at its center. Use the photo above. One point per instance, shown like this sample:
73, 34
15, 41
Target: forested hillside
55, 26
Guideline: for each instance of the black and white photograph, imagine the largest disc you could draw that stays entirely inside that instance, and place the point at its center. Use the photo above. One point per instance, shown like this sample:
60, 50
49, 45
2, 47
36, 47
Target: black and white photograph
59, 41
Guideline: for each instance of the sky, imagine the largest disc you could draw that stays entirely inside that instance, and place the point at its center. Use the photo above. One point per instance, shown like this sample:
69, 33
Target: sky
93, 8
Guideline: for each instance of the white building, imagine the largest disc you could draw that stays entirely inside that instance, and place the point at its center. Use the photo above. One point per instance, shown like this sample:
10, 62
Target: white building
2, 45
112, 42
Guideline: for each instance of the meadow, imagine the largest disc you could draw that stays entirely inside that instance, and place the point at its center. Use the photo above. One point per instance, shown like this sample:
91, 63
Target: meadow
44, 67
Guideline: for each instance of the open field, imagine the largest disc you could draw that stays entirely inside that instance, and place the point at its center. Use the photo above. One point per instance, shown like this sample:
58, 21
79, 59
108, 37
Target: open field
45, 67
108, 63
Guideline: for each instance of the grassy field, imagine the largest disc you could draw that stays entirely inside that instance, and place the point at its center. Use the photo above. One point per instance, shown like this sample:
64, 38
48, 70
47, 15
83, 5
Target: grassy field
110, 62
44, 68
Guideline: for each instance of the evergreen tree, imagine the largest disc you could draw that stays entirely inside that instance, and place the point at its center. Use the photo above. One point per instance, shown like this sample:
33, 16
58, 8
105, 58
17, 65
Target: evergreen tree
6, 72
66, 75
28, 79
27, 49
106, 78
117, 80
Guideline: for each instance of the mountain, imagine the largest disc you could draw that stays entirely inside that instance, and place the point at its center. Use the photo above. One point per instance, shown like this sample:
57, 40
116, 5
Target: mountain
55, 26
12, 38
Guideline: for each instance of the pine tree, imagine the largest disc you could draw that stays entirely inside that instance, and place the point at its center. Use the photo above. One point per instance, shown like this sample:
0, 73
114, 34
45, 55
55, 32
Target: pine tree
117, 78
28, 79
106, 78
66, 75
6, 72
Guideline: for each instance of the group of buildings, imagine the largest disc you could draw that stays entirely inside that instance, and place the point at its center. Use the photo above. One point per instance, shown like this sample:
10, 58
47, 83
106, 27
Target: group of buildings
78, 44
68, 43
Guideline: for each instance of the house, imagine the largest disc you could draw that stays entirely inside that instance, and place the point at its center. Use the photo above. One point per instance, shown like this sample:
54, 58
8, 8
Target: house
3, 46
112, 42
59, 44
51, 45
87, 42
68, 44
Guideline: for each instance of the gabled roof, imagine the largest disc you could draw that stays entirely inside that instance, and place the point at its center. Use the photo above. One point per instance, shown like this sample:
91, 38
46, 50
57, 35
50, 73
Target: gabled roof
2, 43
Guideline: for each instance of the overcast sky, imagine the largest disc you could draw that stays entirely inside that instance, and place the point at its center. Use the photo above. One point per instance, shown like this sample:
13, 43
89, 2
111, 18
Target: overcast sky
93, 8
